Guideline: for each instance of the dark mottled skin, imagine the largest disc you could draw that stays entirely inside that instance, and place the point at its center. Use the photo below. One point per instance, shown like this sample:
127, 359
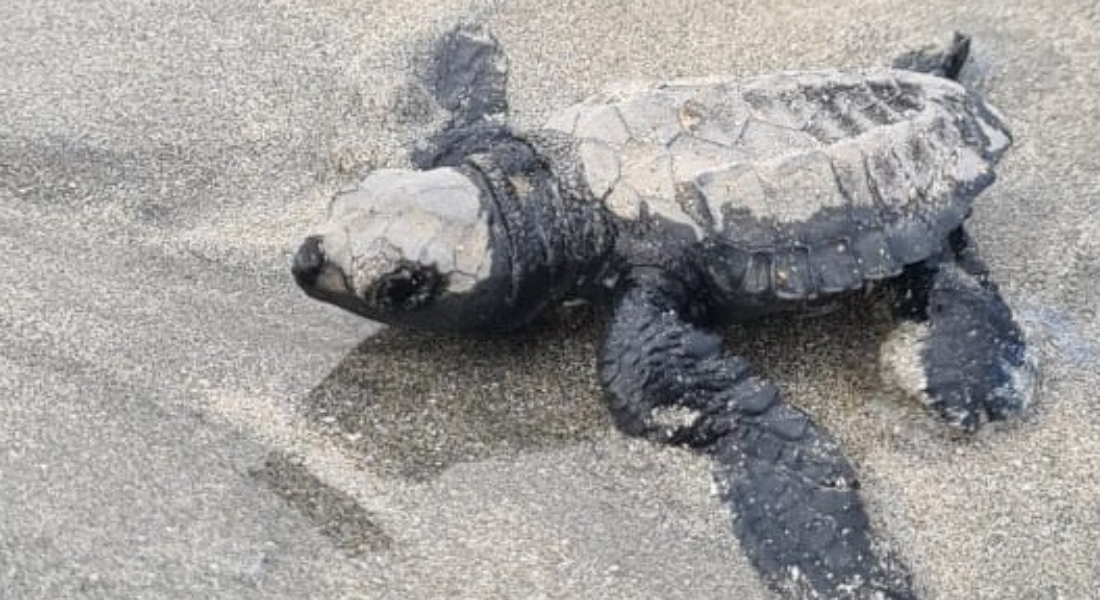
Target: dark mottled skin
794, 496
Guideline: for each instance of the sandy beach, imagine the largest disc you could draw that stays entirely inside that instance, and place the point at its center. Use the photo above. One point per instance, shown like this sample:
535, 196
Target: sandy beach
178, 421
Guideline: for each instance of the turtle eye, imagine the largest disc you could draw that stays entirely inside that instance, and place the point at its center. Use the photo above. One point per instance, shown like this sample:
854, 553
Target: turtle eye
409, 287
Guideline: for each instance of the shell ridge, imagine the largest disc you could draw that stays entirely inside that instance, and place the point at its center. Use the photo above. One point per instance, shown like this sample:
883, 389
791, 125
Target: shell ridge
843, 177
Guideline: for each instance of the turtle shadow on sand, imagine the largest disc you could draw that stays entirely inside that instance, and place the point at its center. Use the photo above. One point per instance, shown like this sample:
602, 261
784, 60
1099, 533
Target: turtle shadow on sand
412, 403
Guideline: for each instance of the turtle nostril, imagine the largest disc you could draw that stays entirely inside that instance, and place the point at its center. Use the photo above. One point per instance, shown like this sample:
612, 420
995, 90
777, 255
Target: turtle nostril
308, 261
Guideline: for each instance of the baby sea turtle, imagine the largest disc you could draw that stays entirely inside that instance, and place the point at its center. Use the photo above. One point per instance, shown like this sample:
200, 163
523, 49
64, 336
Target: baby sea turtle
687, 204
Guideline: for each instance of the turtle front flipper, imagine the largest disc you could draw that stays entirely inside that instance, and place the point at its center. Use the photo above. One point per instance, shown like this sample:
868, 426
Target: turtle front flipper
794, 496
468, 77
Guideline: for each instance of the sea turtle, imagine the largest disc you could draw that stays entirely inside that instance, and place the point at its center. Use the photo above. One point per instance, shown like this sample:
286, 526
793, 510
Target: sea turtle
687, 204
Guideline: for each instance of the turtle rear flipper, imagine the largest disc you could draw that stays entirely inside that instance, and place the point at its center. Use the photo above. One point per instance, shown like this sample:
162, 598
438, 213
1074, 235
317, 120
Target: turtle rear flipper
942, 60
794, 495
958, 349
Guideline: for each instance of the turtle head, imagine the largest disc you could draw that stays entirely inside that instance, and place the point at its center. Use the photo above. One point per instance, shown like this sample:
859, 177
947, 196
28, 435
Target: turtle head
409, 248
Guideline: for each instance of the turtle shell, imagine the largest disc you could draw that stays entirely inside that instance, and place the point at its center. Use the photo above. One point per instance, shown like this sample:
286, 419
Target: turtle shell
798, 183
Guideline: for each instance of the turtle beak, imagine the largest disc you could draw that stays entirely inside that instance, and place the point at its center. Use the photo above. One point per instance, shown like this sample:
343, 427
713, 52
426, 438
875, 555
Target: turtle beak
314, 273
309, 261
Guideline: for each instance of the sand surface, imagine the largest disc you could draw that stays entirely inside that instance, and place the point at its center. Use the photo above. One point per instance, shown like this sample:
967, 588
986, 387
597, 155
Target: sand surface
178, 421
